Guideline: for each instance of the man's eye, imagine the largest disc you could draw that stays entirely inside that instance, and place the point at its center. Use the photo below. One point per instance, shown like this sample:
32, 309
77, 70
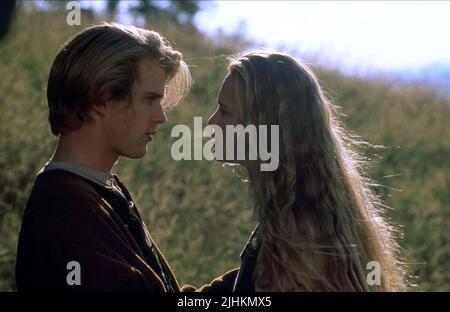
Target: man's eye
151, 98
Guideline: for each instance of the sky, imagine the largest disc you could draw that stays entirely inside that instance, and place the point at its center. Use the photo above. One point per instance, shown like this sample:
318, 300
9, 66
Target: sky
359, 35
354, 36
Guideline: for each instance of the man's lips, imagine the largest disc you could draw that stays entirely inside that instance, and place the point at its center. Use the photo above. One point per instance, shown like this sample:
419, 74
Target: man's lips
150, 134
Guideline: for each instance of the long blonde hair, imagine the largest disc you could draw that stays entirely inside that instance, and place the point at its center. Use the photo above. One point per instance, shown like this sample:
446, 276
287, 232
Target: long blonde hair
320, 222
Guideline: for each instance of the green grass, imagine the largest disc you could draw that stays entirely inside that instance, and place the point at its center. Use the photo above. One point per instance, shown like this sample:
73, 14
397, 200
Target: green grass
198, 211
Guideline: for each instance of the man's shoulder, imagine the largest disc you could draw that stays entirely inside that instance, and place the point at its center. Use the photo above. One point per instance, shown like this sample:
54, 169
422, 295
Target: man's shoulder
63, 206
60, 177
57, 192
61, 184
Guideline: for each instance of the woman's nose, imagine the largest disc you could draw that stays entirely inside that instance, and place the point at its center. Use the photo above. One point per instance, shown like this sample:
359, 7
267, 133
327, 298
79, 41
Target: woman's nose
163, 118
211, 120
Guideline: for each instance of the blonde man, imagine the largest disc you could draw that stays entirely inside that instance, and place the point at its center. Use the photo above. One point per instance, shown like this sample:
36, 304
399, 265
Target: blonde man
81, 231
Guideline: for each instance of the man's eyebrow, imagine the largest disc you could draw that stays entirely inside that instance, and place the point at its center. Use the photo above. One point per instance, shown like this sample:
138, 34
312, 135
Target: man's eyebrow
155, 94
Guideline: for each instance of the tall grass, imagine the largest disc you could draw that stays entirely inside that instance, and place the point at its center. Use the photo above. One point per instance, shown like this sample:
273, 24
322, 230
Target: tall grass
198, 211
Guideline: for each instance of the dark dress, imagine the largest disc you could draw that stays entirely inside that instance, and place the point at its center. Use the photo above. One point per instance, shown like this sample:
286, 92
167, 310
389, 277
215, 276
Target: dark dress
244, 280
239, 279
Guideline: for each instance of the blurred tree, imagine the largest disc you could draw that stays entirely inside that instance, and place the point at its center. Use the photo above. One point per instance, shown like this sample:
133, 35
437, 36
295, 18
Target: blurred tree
6, 16
111, 8
57, 5
180, 11
183, 11
146, 9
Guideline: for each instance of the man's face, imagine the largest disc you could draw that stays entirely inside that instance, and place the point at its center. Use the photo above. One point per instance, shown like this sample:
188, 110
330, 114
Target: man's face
129, 127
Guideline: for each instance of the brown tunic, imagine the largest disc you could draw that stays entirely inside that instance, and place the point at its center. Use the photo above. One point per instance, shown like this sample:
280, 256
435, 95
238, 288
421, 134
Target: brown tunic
66, 220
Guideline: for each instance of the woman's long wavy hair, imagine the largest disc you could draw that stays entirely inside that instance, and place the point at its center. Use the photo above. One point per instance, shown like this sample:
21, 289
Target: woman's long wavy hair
320, 222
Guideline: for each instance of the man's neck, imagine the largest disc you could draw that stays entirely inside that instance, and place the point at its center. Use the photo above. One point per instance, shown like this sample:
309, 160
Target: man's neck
84, 149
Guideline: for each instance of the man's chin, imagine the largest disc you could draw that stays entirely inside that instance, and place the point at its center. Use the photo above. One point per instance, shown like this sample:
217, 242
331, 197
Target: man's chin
135, 155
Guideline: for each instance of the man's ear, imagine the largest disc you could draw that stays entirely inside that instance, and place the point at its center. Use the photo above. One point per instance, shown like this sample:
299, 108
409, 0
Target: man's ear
98, 110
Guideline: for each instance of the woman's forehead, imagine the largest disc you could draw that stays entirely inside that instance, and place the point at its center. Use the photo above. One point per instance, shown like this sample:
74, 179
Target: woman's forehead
227, 89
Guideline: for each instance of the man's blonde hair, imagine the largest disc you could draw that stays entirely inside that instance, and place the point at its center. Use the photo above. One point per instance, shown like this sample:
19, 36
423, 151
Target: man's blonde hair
100, 64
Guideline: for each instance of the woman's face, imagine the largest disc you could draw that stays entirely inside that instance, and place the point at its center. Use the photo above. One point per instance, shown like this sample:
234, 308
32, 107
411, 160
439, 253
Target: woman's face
242, 143
226, 112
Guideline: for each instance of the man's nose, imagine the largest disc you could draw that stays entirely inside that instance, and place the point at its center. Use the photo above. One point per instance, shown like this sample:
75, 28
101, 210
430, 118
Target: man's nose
161, 117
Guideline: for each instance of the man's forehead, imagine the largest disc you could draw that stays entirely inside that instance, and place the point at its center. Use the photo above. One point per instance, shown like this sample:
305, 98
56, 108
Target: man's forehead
152, 77
146, 64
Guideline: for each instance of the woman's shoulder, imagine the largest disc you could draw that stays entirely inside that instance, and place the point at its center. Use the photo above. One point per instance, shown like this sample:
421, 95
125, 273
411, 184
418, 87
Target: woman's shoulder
244, 280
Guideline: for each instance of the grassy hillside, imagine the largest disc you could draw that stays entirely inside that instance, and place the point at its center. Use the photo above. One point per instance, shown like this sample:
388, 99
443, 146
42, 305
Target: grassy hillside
198, 211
